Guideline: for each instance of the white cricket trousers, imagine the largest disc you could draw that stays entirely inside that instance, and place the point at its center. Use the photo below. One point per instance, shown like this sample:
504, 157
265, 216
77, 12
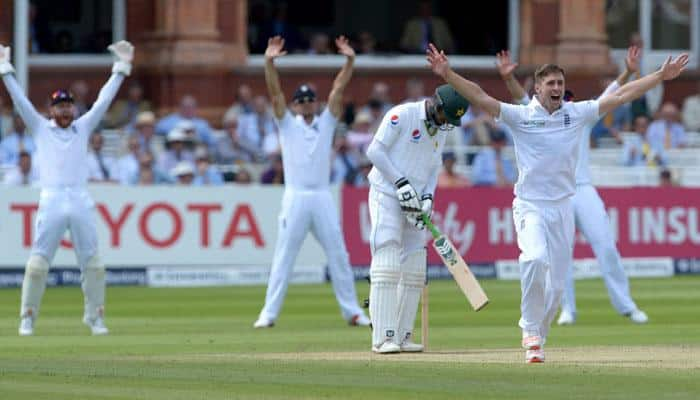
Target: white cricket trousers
593, 222
315, 210
64, 209
389, 225
545, 232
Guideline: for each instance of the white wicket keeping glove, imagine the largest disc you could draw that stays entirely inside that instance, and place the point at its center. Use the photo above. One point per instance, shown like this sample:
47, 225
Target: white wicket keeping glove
123, 53
5, 65
408, 198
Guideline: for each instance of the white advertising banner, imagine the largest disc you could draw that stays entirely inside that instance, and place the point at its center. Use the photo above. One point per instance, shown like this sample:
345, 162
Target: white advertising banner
163, 226
640, 267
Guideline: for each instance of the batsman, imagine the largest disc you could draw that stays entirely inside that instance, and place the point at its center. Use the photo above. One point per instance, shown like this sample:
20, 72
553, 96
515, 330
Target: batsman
406, 152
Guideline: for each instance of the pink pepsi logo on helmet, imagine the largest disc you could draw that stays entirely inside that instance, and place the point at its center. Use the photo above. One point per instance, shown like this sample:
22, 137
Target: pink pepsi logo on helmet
394, 120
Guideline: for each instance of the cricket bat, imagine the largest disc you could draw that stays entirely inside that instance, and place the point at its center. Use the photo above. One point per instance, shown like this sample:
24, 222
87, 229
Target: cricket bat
458, 267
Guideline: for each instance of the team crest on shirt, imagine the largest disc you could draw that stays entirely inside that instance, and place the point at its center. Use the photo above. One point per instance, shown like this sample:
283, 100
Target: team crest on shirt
415, 136
394, 120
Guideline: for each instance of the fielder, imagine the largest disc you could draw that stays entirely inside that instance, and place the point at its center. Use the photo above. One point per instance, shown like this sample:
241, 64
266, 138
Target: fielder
407, 155
306, 143
589, 210
64, 202
546, 135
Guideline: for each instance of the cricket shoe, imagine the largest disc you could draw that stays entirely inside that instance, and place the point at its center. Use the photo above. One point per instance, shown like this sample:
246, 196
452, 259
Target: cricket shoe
96, 325
263, 322
638, 316
407, 346
533, 342
359, 320
26, 326
388, 347
534, 356
566, 318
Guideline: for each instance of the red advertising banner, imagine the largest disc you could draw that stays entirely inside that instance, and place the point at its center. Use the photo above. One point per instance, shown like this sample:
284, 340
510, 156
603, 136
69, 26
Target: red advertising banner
647, 222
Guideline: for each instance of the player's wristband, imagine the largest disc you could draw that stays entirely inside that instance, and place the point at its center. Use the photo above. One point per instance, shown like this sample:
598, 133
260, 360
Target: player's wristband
6, 68
122, 67
401, 182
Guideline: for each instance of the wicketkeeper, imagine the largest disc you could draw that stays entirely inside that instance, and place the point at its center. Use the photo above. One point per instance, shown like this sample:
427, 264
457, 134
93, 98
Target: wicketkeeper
64, 203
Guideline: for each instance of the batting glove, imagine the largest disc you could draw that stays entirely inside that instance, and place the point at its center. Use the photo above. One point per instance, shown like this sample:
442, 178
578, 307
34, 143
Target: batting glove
408, 198
416, 219
123, 53
426, 204
5, 66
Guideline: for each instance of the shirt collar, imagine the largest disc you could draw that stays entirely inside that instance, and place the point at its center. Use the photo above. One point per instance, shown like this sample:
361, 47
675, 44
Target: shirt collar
53, 124
312, 125
422, 114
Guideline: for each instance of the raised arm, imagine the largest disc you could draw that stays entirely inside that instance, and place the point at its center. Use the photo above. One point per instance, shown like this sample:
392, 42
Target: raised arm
26, 110
275, 48
635, 89
335, 99
632, 59
506, 67
123, 53
468, 89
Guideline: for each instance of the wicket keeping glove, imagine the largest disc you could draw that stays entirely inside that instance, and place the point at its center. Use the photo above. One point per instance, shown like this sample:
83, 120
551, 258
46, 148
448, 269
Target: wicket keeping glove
408, 198
123, 53
5, 66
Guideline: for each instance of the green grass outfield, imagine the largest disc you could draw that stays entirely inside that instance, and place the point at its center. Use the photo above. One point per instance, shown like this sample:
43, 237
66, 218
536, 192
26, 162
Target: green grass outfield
200, 344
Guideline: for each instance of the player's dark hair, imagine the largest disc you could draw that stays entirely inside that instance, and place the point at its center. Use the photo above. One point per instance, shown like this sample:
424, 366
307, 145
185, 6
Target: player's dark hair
547, 69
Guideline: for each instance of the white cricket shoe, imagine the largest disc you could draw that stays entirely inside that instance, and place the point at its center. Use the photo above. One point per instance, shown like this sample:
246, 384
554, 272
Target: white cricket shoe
387, 347
532, 342
26, 326
409, 347
96, 325
263, 322
534, 356
359, 320
566, 318
638, 316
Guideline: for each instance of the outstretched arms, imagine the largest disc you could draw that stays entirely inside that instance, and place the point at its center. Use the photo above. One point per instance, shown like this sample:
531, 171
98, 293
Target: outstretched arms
470, 90
26, 110
633, 90
335, 99
506, 67
275, 48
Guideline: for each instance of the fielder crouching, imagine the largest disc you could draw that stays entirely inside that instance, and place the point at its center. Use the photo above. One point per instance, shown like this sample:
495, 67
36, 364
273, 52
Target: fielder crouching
64, 202
407, 155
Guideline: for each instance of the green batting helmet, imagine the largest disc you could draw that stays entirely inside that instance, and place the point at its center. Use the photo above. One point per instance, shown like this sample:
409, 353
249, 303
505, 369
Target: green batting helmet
453, 104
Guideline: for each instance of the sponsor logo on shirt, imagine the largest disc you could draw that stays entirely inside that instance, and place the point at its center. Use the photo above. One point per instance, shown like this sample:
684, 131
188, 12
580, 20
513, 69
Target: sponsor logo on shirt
567, 119
533, 123
415, 136
394, 120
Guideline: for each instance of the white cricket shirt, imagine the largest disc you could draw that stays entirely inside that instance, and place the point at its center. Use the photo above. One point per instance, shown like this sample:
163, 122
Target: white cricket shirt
62, 154
583, 168
415, 153
306, 150
547, 146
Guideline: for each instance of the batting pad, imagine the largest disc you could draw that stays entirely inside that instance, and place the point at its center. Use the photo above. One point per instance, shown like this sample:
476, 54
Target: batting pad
34, 285
383, 306
411, 284
93, 284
